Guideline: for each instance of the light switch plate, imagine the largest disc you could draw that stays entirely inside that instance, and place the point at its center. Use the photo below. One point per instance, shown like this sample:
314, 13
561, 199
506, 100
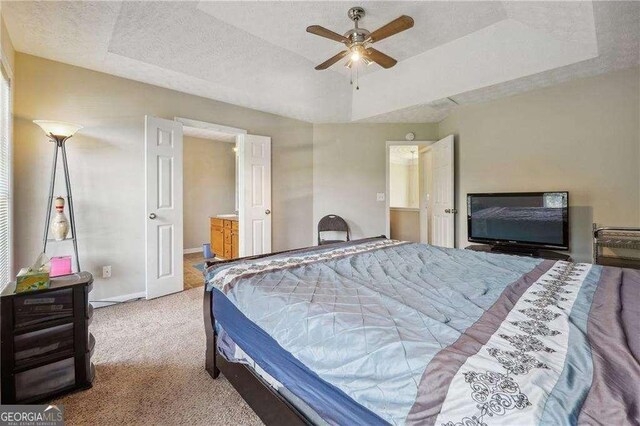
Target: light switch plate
106, 271
380, 196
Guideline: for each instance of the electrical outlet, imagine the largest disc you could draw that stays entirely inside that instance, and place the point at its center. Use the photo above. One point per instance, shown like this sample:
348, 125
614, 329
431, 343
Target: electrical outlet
380, 196
106, 271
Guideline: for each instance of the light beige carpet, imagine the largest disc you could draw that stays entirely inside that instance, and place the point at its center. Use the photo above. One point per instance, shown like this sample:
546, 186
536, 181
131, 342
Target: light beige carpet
149, 361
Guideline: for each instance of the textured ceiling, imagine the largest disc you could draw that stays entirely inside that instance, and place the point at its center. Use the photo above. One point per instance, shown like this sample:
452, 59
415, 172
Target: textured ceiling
284, 23
617, 33
258, 55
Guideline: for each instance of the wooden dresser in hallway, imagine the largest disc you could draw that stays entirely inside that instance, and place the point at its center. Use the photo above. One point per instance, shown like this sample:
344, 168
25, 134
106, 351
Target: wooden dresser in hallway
224, 237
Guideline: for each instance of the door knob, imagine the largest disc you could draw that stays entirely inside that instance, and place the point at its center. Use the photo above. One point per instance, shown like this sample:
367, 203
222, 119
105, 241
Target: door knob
267, 211
152, 216
447, 210
454, 211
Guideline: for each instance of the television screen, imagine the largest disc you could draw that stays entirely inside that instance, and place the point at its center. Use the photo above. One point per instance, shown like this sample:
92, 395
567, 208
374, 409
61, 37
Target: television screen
529, 219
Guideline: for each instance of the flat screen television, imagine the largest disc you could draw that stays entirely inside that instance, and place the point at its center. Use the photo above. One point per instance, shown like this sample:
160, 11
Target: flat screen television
526, 220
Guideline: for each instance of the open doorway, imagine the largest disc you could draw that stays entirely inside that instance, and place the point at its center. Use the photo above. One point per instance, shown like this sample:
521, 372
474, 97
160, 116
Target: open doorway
208, 196
421, 194
210, 199
409, 191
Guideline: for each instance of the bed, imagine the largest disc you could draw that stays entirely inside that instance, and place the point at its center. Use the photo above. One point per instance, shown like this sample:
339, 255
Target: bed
378, 331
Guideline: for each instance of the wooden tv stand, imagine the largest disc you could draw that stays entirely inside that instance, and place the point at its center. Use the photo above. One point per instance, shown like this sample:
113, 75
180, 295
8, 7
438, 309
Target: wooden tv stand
539, 254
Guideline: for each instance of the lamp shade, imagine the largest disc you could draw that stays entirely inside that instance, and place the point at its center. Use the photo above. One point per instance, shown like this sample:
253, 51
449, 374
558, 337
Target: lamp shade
58, 128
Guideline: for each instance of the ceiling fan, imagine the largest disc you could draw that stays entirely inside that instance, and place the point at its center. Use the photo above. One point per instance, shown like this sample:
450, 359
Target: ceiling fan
358, 40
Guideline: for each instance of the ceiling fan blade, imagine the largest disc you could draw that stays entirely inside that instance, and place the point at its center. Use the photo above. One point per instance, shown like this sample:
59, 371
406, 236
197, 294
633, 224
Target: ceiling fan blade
323, 32
380, 58
332, 60
394, 27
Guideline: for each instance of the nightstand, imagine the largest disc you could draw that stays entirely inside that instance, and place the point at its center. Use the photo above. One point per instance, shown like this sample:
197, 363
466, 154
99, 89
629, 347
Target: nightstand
46, 346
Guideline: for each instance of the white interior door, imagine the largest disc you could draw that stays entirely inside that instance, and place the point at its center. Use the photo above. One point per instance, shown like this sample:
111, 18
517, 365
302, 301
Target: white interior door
426, 169
163, 167
443, 215
254, 188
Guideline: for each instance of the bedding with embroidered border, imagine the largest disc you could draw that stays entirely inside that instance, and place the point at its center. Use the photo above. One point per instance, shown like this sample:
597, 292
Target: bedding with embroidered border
387, 332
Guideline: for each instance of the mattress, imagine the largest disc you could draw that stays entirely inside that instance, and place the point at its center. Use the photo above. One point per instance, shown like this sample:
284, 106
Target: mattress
388, 332
232, 352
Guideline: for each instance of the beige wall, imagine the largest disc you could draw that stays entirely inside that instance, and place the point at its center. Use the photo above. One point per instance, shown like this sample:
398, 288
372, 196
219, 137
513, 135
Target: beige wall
209, 186
398, 185
107, 164
581, 136
403, 184
349, 169
405, 224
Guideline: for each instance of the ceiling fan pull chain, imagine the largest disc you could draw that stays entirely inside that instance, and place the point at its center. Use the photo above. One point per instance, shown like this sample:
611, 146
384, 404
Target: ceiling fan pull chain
357, 84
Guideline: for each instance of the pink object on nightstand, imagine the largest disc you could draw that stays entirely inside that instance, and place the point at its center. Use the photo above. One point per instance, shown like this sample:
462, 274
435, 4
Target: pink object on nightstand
60, 266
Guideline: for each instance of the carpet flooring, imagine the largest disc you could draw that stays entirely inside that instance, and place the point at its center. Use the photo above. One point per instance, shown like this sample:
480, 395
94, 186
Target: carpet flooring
149, 361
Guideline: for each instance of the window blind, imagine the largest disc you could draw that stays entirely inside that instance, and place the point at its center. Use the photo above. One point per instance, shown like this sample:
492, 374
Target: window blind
5, 178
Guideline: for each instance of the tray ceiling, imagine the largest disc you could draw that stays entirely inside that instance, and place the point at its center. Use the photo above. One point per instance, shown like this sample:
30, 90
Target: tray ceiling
258, 55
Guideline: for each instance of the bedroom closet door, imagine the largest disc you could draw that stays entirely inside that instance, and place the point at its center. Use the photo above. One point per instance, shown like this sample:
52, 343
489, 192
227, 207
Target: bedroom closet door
254, 194
163, 168
443, 219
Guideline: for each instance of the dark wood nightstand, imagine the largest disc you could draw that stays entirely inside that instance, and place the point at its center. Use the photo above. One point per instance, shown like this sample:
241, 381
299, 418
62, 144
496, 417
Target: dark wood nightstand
539, 254
46, 346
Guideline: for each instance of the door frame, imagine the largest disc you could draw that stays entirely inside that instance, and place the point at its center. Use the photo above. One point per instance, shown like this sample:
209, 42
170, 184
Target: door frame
387, 198
219, 132
204, 130
425, 220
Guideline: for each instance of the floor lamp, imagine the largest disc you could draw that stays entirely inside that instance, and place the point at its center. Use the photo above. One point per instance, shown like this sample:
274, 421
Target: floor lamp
58, 132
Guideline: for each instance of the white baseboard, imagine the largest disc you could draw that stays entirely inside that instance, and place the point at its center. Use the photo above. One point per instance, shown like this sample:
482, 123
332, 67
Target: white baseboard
192, 250
110, 301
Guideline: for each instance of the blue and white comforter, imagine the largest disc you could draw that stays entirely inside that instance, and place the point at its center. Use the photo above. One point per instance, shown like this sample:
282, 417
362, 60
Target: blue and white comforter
381, 331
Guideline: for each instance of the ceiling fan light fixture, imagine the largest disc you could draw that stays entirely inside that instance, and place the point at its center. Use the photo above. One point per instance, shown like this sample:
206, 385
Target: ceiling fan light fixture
358, 42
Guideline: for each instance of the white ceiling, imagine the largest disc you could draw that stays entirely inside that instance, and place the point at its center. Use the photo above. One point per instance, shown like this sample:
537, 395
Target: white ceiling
258, 55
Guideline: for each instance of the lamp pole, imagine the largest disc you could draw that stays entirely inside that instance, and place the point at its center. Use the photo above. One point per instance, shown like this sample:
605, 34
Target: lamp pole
59, 133
59, 145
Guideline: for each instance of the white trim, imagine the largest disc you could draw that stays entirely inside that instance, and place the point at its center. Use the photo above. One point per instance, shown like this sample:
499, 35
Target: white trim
192, 250
405, 209
110, 301
209, 126
6, 66
387, 198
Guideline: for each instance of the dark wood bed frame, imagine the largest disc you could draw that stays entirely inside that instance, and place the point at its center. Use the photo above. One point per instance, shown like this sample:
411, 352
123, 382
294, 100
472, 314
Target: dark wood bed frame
268, 404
